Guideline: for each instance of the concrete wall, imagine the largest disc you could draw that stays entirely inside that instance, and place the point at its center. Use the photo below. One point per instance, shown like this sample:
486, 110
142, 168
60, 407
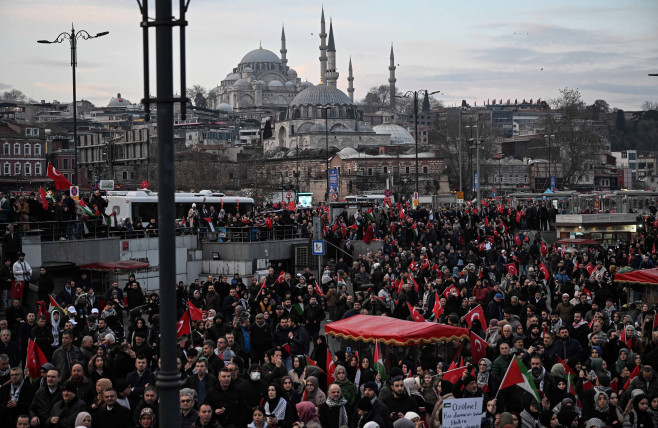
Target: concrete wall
247, 251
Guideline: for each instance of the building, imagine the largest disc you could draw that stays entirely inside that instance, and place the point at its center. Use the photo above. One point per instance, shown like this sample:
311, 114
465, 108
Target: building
627, 159
23, 161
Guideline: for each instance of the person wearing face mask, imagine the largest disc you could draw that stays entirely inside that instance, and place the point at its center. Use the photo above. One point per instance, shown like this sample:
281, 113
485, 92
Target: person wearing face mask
255, 388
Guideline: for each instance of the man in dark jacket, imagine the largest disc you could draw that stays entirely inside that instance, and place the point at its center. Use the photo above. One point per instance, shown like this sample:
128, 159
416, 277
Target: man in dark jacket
299, 338
64, 411
399, 402
313, 315
112, 415
261, 338
15, 396
231, 409
45, 398
139, 379
46, 285
565, 347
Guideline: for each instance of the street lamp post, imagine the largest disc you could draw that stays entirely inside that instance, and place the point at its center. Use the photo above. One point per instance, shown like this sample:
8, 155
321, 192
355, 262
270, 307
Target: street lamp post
73, 37
326, 140
415, 93
549, 137
478, 180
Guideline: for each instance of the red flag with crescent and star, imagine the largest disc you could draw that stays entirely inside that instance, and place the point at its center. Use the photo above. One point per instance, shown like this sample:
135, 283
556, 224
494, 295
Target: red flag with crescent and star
184, 325
437, 310
414, 314
35, 359
61, 183
475, 314
478, 347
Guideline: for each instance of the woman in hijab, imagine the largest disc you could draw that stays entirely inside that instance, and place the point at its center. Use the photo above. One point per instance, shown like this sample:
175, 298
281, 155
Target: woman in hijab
346, 386
306, 413
297, 372
487, 382
622, 360
653, 408
600, 366
639, 416
568, 418
603, 411
55, 322
364, 374
319, 353
530, 415
548, 419
312, 392
413, 390
278, 411
289, 392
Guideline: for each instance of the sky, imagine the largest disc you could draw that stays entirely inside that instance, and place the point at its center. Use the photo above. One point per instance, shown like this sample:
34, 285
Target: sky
475, 50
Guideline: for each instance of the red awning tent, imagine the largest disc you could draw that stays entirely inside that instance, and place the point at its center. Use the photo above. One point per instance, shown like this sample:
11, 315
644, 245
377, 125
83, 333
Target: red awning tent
119, 266
644, 276
392, 331
576, 241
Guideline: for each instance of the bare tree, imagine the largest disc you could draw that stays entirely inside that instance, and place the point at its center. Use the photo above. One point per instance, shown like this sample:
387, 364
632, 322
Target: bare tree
198, 94
650, 105
14, 96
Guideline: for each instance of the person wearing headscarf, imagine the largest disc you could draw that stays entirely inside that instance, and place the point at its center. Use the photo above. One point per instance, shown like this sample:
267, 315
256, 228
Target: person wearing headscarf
568, 418
289, 392
639, 416
487, 382
547, 419
335, 410
297, 372
278, 411
346, 386
603, 411
312, 392
307, 413
622, 360
413, 390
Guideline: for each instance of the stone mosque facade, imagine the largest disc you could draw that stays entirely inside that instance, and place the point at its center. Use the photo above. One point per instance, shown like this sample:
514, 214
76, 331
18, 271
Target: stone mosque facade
306, 114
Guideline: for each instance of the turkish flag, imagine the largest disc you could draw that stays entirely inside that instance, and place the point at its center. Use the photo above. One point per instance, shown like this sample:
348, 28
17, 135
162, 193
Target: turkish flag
331, 368
425, 265
35, 359
453, 373
475, 314
184, 325
511, 269
281, 278
517, 240
543, 249
450, 290
144, 184
42, 197
61, 183
590, 268
437, 310
544, 270
414, 314
478, 347
195, 313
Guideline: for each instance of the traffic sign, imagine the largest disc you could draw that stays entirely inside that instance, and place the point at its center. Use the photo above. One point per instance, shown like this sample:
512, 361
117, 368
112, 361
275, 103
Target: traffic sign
460, 195
318, 248
288, 195
334, 196
74, 191
387, 193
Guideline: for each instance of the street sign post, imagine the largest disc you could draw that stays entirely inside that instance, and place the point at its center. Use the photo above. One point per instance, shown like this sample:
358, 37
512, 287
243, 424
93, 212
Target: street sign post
74, 191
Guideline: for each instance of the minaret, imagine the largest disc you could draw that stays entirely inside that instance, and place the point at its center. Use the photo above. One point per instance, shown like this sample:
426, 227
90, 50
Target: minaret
350, 82
331, 76
323, 48
391, 80
284, 51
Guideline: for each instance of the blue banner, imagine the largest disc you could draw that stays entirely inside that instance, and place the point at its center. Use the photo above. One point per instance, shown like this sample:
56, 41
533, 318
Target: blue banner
333, 180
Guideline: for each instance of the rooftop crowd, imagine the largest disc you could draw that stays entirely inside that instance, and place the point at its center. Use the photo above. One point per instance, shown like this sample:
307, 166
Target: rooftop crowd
256, 356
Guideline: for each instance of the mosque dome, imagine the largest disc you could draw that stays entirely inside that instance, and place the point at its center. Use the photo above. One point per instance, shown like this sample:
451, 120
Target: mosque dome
292, 73
232, 76
119, 102
399, 135
307, 84
260, 55
362, 127
347, 152
321, 95
241, 82
275, 84
260, 82
247, 70
225, 108
289, 84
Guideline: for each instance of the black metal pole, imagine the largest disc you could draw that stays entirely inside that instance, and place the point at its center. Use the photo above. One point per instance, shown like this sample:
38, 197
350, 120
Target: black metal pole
416, 134
326, 139
74, 64
168, 378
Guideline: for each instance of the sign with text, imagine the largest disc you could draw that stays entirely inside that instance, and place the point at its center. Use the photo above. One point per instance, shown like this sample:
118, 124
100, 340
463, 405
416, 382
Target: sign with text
106, 184
462, 412
333, 180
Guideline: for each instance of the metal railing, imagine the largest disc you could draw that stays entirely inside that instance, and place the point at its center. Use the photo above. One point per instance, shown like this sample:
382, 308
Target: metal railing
98, 228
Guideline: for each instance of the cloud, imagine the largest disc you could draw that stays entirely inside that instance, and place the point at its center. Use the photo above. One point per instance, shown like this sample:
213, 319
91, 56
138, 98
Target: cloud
4, 86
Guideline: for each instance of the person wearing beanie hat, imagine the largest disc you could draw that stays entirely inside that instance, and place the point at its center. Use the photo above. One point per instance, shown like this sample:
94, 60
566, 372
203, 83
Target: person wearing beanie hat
467, 386
64, 412
366, 413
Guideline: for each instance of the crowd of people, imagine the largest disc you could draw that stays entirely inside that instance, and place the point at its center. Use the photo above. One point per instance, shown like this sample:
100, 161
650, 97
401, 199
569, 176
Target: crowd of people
256, 355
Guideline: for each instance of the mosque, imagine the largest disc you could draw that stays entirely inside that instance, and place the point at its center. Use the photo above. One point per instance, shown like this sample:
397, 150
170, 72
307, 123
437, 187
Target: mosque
306, 114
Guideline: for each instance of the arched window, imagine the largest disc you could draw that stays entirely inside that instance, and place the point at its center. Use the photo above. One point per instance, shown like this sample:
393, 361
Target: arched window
28, 168
37, 168
6, 149
17, 149
17, 168
27, 149
37, 149
6, 169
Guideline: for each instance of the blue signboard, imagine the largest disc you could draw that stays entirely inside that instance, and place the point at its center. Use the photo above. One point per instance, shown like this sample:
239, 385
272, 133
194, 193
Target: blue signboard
552, 182
318, 248
333, 180
475, 181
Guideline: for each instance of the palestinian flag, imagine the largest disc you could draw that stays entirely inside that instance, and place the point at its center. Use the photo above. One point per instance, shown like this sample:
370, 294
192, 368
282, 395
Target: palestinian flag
414, 227
298, 308
85, 208
108, 219
379, 363
310, 362
53, 305
518, 375
209, 221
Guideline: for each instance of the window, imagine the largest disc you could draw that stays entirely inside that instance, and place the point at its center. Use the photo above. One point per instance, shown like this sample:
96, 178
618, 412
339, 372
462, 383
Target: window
17, 149
65, 163
37, 149
7, 168
17, 168
28, 168
28, 132
623, 155
424, 170
6, 149
385, 170
37, 169
406, 170
125, 175
369, 171
27, 149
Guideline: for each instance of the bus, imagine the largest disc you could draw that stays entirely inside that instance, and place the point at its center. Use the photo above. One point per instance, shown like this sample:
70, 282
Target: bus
374, 199
144, 203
